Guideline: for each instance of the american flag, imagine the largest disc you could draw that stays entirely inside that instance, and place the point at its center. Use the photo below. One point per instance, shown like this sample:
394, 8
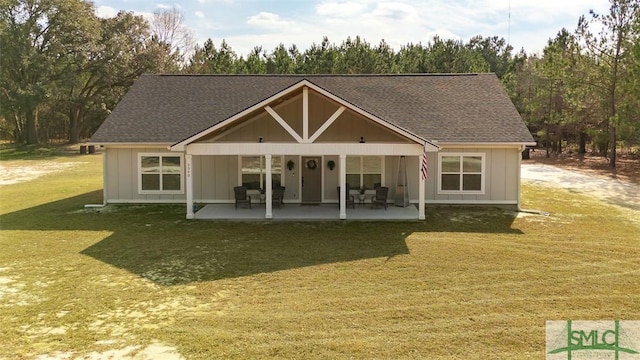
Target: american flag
423, 168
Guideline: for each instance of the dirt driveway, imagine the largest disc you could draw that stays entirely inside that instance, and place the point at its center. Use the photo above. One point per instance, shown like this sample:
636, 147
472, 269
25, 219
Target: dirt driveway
609, 190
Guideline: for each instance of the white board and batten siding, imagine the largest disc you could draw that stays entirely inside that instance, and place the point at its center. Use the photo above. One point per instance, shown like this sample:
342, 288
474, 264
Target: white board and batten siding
501, 177
213, 177
121, 177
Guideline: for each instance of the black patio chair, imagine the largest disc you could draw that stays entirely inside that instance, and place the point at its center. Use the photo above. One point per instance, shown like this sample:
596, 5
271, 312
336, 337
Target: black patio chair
240, 194
380, 198
277, 196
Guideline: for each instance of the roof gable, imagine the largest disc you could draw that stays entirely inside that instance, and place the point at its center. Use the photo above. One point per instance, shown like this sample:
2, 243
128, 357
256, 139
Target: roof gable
282, 95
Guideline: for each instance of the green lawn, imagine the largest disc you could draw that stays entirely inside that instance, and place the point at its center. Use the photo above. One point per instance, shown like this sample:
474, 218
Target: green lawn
468, 284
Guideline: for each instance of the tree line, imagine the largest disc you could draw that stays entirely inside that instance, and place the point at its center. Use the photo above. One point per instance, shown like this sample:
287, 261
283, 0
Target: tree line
63, 69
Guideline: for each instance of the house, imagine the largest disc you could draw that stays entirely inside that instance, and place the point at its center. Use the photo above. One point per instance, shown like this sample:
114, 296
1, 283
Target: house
193, 138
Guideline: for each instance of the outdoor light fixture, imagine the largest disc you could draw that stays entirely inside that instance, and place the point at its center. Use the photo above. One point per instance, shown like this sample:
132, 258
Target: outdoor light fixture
260, 139
361, 139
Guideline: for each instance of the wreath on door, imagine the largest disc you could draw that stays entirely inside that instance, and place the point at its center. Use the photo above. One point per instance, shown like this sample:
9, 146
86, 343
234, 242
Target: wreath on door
312, 165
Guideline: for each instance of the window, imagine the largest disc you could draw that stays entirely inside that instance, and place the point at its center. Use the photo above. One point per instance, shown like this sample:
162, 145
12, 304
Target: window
461, 173
160, 173
364, 171
253, 171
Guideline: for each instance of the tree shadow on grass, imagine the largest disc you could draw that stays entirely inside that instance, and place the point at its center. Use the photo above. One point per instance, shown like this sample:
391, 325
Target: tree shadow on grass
157, 243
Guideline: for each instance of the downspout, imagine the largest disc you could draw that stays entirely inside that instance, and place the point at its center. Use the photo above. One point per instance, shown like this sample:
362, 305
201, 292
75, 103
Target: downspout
95, 206
522, 148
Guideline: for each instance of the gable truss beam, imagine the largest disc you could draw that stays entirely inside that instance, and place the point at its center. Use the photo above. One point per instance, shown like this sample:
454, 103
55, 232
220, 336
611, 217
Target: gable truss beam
246, 123
305, 113
327, 123
284, 124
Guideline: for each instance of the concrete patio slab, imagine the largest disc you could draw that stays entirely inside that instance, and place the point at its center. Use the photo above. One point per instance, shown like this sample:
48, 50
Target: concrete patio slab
300, 212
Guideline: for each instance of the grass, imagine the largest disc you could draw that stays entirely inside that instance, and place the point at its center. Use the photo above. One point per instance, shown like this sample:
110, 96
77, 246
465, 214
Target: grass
11, 151
468, 284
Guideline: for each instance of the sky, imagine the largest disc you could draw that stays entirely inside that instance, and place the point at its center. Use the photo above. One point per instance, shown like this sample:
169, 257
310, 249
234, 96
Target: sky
245, 24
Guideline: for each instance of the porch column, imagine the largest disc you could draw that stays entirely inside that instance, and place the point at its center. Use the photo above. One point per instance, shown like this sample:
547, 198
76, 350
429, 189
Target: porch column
268, 185
421, 184
189, 180
343, 184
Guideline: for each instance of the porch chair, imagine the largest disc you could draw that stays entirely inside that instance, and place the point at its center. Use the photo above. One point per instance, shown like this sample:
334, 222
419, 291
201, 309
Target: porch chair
380, 198
277, 196
349, 199
240, 194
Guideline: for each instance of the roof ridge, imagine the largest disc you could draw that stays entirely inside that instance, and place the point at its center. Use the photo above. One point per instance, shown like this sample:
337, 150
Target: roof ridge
321, 75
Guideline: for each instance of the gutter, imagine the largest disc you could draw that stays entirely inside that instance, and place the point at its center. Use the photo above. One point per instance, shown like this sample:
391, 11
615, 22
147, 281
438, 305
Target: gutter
486, 144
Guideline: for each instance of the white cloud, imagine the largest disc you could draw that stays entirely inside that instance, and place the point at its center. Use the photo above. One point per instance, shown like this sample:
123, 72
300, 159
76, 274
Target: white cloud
396, 11
270, 21
106, 12
163, 6
199, 14
340, 9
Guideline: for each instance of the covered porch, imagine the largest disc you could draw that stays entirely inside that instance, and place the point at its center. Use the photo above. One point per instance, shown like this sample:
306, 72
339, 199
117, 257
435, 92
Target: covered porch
308, 127
301, 212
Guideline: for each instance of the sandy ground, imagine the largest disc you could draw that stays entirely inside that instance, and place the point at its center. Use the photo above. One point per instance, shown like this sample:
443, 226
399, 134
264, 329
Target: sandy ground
13, 174
612, 191
155, 351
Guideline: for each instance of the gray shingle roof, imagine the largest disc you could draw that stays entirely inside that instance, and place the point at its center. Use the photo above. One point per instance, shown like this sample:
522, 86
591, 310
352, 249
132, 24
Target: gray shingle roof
447, 108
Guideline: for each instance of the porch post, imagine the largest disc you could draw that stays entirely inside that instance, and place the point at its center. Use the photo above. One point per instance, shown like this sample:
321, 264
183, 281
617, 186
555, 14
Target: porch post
421, 184
343, 183
189, 180
268, 185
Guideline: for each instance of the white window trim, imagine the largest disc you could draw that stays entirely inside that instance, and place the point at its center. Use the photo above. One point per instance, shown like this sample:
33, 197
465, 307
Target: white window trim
462, 192
164, 192
362, 172
262, 170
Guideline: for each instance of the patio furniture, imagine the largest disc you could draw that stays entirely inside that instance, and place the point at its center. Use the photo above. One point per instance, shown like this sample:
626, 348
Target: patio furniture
349, 199
240, 194
277, 196
380, 198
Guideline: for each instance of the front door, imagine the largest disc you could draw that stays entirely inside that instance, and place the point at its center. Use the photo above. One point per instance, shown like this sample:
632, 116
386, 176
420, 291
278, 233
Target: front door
311, 179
